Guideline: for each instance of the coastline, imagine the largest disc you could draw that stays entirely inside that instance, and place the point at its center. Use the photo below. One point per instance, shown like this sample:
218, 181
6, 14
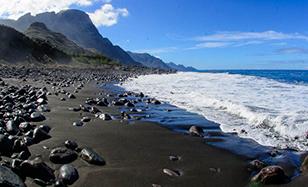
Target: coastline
136, 152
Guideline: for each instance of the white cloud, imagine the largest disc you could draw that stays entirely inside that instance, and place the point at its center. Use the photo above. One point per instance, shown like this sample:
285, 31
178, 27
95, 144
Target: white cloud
210, 45
157, 51
13, 9
107, 15
239, 39
247, 36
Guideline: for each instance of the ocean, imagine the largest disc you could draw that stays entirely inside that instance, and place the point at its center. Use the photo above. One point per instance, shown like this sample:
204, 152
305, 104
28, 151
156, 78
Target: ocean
268, 106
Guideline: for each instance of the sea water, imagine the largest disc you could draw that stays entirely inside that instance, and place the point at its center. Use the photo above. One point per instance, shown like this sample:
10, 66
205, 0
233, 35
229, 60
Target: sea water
271, 107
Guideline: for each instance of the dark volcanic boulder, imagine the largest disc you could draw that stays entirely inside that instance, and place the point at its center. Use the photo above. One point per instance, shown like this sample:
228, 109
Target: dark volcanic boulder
9, 179
37, 117
39, 134
91, 156
6, 145
37, 169
62, 155
68, 174
271, 175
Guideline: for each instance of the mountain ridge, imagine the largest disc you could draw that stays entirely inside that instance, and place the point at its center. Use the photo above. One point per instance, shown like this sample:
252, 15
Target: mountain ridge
77, 26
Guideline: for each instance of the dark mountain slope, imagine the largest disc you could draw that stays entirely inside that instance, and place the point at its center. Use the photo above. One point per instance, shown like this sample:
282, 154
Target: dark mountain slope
149, 60
16, 47
76, 26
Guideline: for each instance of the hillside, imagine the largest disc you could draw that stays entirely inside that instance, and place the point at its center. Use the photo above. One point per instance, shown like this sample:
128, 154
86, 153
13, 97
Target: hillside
77, 26
16, 47
149, 60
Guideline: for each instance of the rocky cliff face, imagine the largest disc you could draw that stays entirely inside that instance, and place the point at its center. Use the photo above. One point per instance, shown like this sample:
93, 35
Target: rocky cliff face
16, 47
76, 26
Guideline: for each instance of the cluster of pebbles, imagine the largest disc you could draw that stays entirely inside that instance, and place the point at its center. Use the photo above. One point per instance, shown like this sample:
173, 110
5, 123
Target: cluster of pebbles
22, 107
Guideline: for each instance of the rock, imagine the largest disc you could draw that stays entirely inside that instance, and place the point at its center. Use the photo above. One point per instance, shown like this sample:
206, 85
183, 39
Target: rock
43, 108
105, 117
196, 131
11, 127
71, 96
255, 165
304, 166
171, 173
37, 169
62, 155
71, 144
74, 109
39, 135
271, 175
9, 179
6, 145
37, 117
78, 123
174, 158
25, 126
59, 183
92, 157
86, 119
68, 174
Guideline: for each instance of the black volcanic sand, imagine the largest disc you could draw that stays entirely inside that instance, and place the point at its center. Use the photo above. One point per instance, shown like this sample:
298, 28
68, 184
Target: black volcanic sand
135, 152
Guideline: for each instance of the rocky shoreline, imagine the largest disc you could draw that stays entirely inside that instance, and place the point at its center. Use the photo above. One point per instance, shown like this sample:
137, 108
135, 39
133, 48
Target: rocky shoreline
58, 128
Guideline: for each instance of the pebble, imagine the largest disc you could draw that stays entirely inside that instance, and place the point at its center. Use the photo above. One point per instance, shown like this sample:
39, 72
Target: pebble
68, 174
62, 155
91, 157
171, 173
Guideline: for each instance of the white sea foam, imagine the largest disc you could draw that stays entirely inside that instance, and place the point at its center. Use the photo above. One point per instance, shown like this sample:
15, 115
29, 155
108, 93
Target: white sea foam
273, 113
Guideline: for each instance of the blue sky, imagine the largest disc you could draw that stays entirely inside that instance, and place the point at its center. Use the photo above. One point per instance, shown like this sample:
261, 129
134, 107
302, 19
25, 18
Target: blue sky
207, 34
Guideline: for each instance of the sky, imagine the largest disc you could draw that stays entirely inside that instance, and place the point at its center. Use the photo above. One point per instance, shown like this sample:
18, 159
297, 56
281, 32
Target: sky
206, 34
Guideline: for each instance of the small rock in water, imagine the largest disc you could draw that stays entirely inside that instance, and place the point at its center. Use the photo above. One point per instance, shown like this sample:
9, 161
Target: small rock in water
92, 157
171, 173
271, 175
68, 174
62, 155
304, 166
196, 131
9, 179
255, 165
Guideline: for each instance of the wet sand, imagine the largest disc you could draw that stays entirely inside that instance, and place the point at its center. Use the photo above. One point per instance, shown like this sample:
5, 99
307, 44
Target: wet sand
136, 153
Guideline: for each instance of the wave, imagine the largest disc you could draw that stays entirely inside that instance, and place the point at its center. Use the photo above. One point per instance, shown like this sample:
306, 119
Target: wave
270, 112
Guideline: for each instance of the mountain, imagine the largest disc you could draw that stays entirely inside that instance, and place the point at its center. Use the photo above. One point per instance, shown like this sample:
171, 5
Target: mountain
181, 67
77, 26
16, 47
149, 60
39, 32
